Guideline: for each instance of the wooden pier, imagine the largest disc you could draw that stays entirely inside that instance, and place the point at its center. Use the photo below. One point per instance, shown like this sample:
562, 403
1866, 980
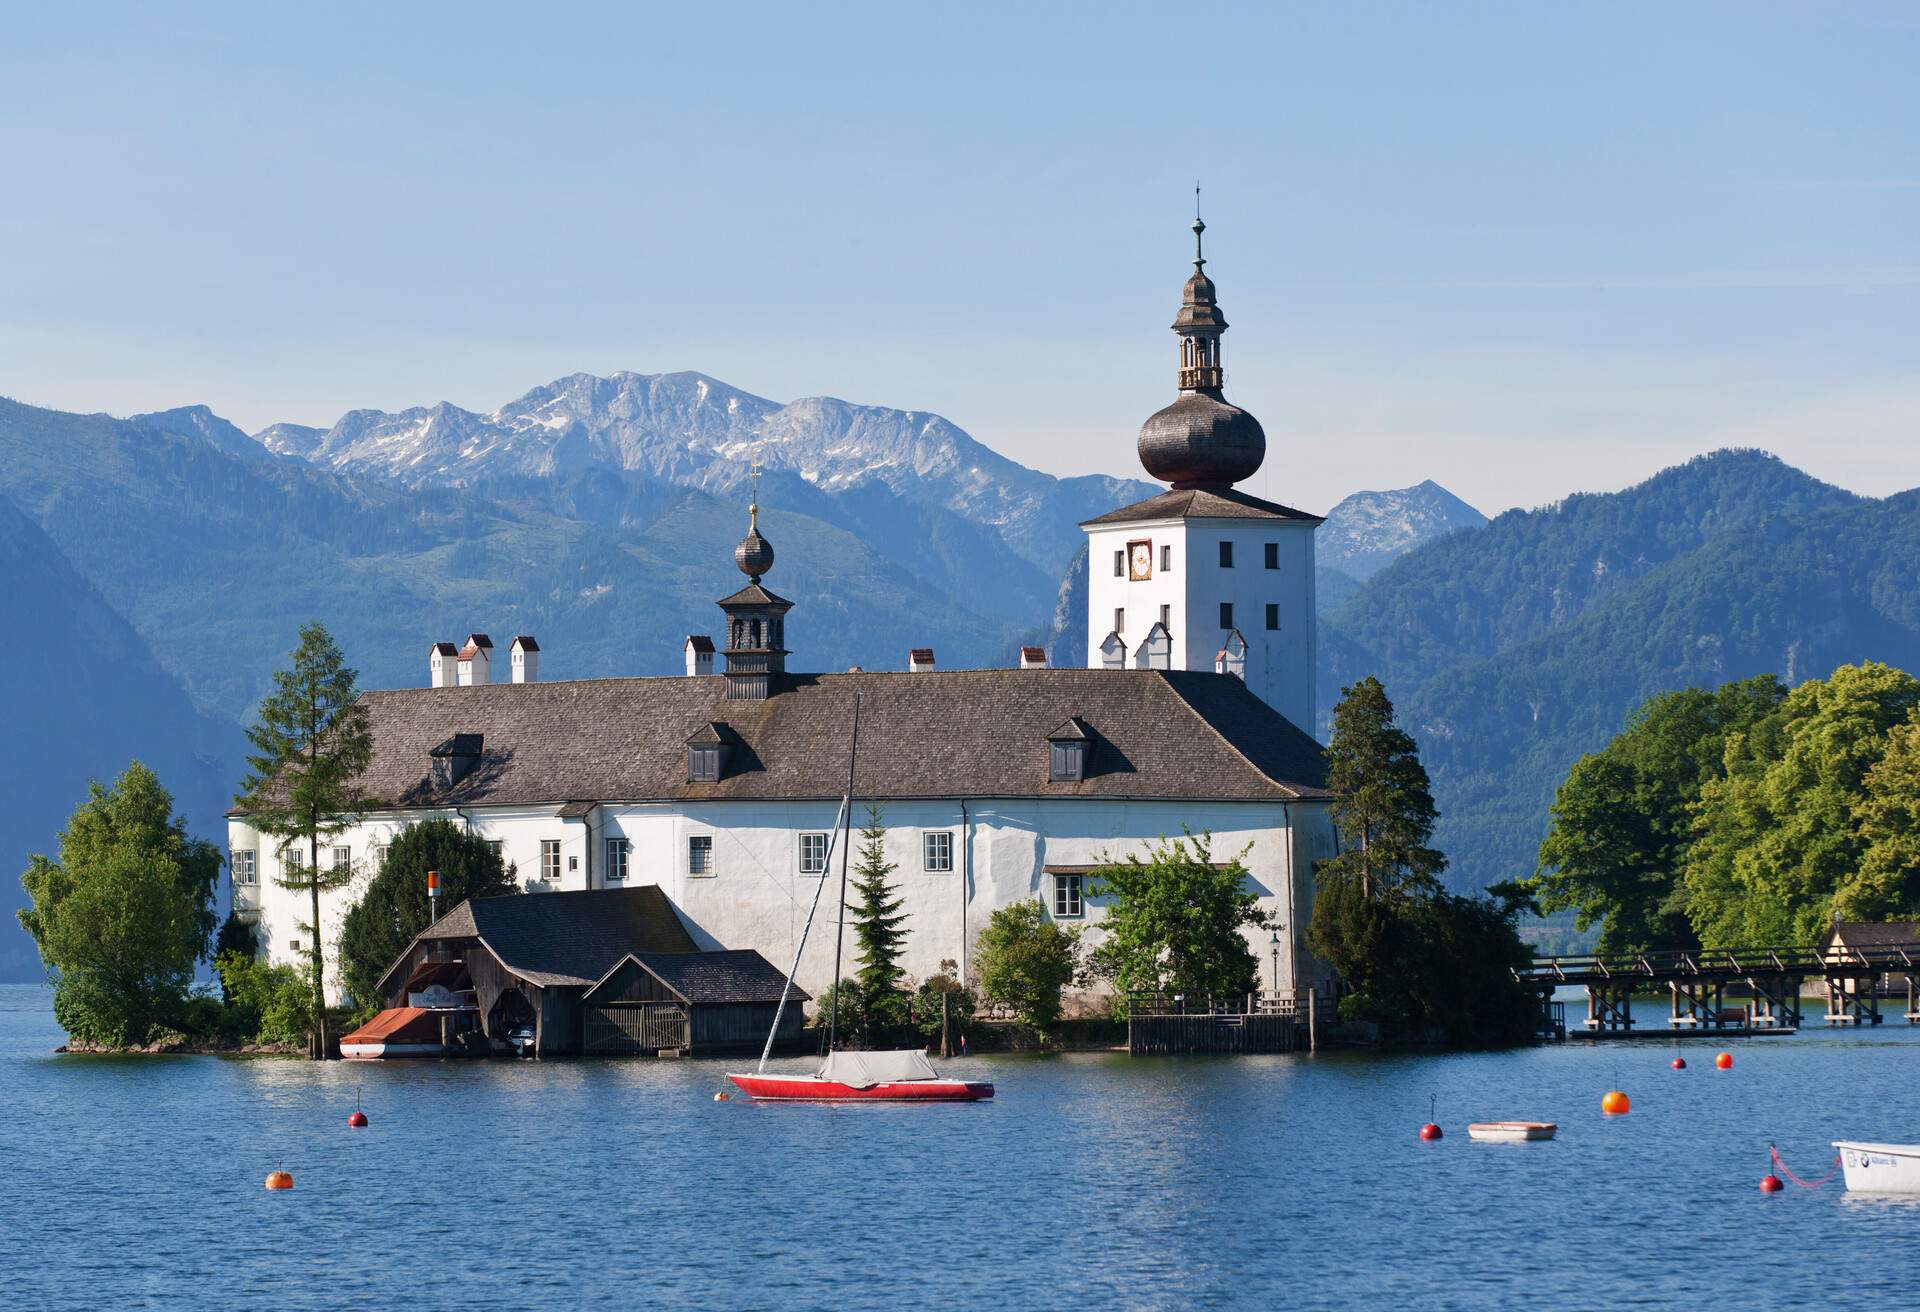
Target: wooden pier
1240, 1023
1770, 982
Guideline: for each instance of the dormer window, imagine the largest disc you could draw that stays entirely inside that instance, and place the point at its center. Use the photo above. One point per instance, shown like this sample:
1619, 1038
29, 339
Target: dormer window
708, 751
1067, 752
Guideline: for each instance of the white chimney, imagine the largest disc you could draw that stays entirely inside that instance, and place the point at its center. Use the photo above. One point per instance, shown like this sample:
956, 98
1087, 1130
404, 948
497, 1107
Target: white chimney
920, 659
525, 655
1033, 658
699, 648
476, 660
441, 659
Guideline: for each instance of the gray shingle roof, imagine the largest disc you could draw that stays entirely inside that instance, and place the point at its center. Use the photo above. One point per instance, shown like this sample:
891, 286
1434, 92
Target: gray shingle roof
1171, 734
1203, 503
1873, 934
566, 938
734, 975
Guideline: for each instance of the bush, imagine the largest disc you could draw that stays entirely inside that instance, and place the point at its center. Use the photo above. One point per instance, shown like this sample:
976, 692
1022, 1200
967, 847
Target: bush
943, 998
266, 1004
1026, 960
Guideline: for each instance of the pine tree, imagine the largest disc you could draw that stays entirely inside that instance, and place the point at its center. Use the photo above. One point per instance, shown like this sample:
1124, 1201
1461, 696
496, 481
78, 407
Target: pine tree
311, 745
1383, 807
878, 927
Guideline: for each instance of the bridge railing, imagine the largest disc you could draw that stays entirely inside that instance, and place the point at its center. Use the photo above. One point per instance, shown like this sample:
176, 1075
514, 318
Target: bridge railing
1708, 962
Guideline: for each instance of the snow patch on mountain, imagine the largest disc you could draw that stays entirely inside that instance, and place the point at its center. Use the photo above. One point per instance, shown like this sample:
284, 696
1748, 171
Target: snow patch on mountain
1369, 530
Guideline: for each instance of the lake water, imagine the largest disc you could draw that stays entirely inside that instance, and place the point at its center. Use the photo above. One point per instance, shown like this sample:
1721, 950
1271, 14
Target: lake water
1090, 1181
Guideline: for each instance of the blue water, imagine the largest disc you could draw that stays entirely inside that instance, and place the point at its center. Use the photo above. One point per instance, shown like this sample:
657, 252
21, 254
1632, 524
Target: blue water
1091, 1181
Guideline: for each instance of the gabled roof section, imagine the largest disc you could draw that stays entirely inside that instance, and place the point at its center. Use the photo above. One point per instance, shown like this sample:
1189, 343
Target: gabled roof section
1073, 730
710, 734
444, 649
699, 642
1202, 503
525, 642
754, 595
709, 978
1874, 934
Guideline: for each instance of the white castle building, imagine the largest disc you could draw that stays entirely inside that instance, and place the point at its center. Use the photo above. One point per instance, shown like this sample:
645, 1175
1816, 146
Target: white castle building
996, 785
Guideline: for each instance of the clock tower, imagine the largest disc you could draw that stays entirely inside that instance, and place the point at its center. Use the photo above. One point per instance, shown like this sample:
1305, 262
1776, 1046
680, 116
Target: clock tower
1205, 576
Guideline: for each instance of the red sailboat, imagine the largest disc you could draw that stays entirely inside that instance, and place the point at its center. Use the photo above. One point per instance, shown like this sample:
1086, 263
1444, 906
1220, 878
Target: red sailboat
897, 1076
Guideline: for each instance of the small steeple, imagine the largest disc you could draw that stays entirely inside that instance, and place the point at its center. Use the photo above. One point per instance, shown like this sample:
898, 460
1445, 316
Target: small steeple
754, 555
756, 618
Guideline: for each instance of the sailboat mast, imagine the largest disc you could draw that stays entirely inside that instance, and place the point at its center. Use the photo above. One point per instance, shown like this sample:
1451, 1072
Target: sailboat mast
813, 909
840, 931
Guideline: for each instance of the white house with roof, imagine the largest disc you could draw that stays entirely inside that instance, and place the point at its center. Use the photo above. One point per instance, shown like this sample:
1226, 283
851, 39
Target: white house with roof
995, 785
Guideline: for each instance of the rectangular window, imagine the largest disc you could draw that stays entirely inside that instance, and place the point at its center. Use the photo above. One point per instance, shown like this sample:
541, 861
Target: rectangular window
1120, 564
813, 854
1166, 558
1066, 897
497, 844
1273, 615
1226, 614
550, 860
700, 854
617, 850
1226, 555
1273, 555
1119, 619
379, 852
343, 858
703, 764
293, 860
937, 848
293, 945
1067, 762
245, 867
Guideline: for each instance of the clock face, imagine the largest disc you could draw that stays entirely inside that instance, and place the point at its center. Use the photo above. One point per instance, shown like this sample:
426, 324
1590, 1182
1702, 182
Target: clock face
1140, 560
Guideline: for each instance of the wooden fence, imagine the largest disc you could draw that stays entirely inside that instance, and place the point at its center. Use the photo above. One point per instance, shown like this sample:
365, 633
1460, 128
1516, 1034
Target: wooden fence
1239, 1023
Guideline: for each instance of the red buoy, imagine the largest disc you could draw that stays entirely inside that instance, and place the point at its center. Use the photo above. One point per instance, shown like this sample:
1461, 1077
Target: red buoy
1770, 1184
1431, 1131
1679, 1063
358, 1120
1724, 1061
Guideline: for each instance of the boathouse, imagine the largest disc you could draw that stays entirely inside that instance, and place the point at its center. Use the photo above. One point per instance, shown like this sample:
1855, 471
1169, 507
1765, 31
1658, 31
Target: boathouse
533, 962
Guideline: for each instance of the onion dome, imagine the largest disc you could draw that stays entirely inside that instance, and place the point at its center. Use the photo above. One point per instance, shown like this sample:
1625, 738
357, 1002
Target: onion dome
1201, 440
754, 555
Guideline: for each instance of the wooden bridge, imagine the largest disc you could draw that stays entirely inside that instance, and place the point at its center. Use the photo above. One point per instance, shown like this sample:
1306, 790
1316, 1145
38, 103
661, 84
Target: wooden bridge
1769, 979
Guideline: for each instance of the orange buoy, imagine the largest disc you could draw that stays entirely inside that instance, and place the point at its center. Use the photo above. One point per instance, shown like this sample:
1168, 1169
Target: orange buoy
1770, 1183
1615, 1103
1724, 1061
1679, 1063
279, 1180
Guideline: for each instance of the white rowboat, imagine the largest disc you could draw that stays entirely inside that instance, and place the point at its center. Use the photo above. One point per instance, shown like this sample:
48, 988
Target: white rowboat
1880, 1168
1511, 1131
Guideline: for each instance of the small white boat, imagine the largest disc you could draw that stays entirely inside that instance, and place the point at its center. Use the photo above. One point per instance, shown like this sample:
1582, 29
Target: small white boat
1880, 1168
1511, 1131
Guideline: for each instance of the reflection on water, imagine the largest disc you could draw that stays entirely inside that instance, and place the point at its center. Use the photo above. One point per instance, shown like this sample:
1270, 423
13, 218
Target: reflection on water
1091, 1181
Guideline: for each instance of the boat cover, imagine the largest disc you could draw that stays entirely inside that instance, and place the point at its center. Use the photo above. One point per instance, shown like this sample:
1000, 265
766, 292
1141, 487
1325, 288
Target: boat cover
863, 1070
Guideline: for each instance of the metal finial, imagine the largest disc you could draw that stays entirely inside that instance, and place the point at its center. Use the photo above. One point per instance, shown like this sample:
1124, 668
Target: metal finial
1199, 226
753, 504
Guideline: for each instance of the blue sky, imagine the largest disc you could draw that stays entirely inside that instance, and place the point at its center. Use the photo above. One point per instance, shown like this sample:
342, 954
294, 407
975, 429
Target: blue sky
1523, 250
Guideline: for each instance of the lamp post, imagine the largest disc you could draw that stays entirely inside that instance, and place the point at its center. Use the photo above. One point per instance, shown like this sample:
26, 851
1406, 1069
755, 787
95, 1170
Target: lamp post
1276, 962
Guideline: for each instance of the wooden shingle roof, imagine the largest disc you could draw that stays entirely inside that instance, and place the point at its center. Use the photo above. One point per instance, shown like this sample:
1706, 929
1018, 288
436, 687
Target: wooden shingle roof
1202, 503
1158, 734
711, 978
563, 939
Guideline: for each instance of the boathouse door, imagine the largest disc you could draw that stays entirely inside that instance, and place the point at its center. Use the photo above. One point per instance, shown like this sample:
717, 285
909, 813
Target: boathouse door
630, 1027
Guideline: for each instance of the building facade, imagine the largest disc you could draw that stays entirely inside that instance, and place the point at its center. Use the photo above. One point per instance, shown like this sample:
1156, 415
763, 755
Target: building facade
993, 786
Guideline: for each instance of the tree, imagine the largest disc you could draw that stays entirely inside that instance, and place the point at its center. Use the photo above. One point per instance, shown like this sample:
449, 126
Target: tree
395, 907
1623, 822
1778, 850
123, 915
1026, 960
311, 744
1887, 883
1174, 922
878, 928
1383, 805
943, 1006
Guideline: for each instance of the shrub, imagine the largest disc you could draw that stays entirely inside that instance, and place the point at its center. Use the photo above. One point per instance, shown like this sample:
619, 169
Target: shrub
266, 1004
1026, 960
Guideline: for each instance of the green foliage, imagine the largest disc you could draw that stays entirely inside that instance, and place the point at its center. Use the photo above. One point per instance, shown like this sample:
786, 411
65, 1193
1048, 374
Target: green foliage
880, 934
1174, 923
1025, 960
123, 915
265, 1004
943, 997
1383, 809
1622, 821
395, 907
1887, 886
1779, 847
311, 743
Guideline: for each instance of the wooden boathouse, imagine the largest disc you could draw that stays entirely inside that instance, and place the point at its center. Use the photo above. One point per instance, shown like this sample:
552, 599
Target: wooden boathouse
603, 970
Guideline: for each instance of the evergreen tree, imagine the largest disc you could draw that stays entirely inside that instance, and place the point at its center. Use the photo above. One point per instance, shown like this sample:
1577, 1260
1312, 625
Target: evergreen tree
879, 929
123, 915
1174, 922
1383, 806
311, 744
395, 905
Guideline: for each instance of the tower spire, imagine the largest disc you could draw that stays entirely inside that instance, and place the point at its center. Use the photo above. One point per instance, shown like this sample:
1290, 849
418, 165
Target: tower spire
1199, 226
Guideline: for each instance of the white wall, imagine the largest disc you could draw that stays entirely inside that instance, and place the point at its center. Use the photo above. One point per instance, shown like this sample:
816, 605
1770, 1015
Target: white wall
1280, 662
756, 896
